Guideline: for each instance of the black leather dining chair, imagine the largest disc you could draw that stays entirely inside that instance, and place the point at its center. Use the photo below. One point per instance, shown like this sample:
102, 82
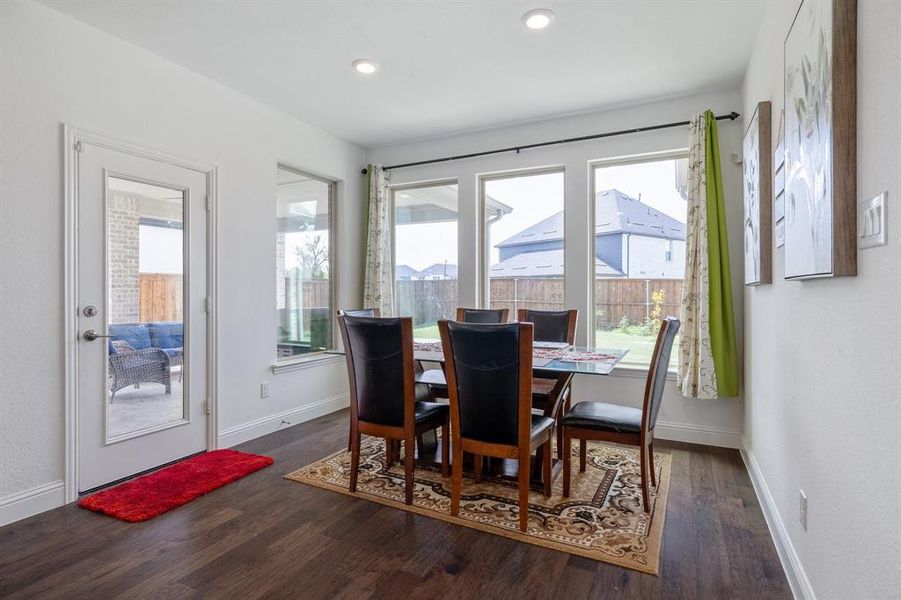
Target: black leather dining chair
434, 378
361, 312
552, 392
489, 372
593, 420
379, 354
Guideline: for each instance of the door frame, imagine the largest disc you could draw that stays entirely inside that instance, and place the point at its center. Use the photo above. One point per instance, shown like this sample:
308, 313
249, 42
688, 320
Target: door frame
73, 138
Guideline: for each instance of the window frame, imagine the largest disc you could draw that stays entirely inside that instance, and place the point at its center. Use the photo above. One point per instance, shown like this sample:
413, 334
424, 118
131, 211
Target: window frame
332, 266
483, 280
593, 165
392, 207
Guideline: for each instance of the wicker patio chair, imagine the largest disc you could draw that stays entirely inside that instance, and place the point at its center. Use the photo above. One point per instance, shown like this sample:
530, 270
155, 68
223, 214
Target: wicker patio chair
148, 365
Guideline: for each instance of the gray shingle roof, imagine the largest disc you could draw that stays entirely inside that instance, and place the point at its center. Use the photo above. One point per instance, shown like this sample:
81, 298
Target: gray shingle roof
404, 271
615, 212
545, 263
439, 269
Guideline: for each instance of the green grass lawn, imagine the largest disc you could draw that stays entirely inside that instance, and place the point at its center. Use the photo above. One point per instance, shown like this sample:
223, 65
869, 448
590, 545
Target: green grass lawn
640, 347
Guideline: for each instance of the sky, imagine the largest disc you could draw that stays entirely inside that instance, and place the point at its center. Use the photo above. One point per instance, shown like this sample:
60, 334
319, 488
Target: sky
533, 198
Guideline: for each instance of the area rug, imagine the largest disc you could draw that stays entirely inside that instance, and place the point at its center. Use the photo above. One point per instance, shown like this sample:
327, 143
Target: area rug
603, 518
151, 495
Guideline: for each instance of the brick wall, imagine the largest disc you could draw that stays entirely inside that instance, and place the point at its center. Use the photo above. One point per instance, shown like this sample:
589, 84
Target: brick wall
122, 221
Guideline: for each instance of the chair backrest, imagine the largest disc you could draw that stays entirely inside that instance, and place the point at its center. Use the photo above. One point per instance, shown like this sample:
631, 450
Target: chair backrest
653, 392
379, 355
361, 312
489, 377
551, 325
483, 315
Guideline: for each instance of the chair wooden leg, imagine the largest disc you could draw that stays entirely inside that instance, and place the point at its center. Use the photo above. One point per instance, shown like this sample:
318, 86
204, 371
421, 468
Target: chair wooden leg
456, 480
477, 467
644, 479
420, 444
567, 461
354, 460
559, 429
547, 466
651, 464
524, 491
583, 455
445, 450
409, 464
389, 452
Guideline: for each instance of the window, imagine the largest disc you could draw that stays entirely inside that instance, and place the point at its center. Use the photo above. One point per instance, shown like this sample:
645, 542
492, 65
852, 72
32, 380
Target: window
425, 255
639, 224
524, 240
303, 263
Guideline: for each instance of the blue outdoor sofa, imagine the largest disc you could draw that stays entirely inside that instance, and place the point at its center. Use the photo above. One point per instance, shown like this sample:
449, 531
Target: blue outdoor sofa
144, 353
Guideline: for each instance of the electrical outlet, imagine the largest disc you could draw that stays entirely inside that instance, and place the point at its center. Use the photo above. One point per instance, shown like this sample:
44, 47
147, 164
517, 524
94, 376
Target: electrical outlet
802, 509
264, 389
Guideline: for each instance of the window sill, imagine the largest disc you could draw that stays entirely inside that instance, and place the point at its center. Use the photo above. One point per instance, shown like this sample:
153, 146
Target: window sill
305, 362
637, 372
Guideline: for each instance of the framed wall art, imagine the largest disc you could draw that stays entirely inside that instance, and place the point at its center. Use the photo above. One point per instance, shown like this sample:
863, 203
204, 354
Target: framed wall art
757, 177
820, 140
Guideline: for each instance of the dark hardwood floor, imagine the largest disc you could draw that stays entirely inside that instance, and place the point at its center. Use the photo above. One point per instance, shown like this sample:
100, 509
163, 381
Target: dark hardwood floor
266, 537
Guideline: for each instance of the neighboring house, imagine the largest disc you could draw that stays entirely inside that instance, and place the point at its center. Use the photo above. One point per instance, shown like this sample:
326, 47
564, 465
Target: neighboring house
631, 240
404, 273
437, 272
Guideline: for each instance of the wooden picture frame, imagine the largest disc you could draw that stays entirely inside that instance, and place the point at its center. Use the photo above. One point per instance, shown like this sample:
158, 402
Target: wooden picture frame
820, 79
757, 169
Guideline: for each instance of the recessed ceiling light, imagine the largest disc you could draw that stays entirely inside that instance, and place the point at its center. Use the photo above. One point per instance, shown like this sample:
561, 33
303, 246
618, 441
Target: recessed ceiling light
538, 18
365, 66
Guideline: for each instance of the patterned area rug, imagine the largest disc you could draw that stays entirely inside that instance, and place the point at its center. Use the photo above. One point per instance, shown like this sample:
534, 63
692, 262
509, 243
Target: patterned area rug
602, 519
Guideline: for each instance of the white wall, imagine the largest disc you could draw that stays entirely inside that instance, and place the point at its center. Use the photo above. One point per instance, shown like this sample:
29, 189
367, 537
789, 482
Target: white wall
823, 381
54, 70
647, 257
705, 421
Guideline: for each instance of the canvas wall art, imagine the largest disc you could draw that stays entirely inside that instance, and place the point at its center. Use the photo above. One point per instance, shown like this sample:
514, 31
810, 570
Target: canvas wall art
757, 177
820, 154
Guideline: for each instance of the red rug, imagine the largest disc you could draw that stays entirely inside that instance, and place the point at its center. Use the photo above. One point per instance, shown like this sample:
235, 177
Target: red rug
158, 492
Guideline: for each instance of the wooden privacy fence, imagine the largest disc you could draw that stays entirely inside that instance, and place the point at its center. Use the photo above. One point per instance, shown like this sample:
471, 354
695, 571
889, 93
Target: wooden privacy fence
160, 297
428, 301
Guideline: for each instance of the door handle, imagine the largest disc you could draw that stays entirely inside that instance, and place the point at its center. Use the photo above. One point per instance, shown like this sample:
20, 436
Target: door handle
90, 335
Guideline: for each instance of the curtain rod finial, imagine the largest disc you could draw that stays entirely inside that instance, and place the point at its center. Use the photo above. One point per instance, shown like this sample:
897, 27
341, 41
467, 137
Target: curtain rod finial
364, 171
733, 115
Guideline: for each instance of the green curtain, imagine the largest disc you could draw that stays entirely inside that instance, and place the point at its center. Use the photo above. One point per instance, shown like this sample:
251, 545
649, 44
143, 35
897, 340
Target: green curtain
723, 346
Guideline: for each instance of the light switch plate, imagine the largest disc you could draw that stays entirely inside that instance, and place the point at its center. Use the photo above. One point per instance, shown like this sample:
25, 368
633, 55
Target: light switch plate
871, 222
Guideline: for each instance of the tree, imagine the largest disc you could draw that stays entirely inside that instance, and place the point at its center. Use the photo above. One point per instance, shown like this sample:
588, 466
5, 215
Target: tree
313, 257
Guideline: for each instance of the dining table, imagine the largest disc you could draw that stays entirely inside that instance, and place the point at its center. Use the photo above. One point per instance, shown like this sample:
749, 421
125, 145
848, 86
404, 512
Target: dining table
549, 360
557, 358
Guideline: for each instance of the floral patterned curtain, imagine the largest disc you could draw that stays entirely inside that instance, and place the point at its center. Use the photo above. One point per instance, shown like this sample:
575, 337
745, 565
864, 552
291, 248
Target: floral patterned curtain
697, 375
378, 278
708, 358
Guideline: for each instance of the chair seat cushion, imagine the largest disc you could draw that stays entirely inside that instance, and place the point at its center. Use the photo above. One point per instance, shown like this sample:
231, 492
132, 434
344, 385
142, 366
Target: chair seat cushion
540, 424
430, 410
432, 377
602, 416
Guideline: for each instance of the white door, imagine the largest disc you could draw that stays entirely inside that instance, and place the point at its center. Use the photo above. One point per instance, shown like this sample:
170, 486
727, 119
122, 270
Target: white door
142, 319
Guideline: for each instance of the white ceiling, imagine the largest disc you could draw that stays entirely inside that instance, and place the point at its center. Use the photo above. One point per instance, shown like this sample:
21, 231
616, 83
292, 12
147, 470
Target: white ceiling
446, 66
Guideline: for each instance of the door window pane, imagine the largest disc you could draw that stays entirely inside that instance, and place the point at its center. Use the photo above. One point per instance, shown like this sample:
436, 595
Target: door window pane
524, 227
640, 217
145, 306
303, 265
425, 256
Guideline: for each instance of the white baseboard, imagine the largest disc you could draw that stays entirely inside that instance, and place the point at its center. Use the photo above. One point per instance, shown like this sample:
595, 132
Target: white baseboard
697, 434
259, 427
791, 563
31, 502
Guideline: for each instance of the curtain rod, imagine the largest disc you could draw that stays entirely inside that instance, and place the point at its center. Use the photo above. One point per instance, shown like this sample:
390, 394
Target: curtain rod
731, 116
